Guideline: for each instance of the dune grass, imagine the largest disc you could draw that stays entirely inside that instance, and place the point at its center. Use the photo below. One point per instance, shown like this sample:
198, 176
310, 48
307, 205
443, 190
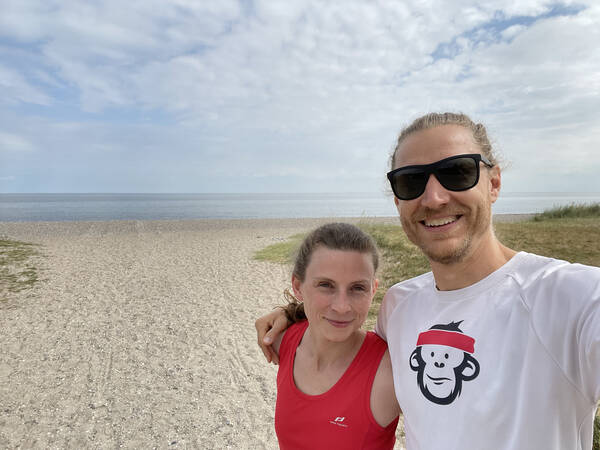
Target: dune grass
596, 441
282, 252
572, 211
18, 271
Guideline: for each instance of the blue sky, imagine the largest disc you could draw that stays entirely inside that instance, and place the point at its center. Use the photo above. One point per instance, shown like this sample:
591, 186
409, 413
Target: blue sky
294, 96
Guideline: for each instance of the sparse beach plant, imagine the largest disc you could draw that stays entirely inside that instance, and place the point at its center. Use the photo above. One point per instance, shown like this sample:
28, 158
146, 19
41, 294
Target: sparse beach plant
573, 210
17, 267
596, 442
281, 252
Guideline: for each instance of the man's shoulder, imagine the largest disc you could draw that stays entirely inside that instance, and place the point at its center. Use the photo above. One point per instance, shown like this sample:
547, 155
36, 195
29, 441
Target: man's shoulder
548, 277
399, 294
405, 289
418, 282
532, 269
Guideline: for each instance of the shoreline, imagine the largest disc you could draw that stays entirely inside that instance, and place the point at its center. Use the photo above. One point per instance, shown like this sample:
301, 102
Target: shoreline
58, 228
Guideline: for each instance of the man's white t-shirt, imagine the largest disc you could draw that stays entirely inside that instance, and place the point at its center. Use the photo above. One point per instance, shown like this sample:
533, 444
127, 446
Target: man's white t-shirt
511, 362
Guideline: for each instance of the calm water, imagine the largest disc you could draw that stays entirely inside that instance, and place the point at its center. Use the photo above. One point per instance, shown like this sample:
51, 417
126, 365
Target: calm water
65, 207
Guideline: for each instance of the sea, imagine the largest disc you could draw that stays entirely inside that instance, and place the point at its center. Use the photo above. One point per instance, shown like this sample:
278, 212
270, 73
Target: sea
102, 207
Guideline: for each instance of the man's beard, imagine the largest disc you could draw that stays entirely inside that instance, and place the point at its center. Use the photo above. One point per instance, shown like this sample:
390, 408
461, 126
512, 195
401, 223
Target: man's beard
453, 257
475, 229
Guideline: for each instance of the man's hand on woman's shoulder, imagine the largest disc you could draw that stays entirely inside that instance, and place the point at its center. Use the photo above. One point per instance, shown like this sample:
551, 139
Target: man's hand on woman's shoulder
268, 330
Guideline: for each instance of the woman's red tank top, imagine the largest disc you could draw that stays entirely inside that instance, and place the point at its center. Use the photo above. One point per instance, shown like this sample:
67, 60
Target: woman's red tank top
339, 418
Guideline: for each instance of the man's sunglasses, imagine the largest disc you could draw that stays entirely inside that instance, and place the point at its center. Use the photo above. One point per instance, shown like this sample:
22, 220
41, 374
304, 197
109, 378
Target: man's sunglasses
457, 173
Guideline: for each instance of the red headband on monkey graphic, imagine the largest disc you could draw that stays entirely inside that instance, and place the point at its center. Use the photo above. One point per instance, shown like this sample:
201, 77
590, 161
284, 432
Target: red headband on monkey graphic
448, 338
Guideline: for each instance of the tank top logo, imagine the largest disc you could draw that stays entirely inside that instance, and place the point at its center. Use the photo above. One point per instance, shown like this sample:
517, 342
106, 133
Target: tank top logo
339, 421
443, 359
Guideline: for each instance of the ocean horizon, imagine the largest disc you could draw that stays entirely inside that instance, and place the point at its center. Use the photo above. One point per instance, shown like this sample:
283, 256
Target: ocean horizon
109, 206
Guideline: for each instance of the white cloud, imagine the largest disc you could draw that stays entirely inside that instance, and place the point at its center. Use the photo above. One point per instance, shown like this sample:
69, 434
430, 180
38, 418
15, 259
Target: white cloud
298, 87
13, 143
14, 88
512, 31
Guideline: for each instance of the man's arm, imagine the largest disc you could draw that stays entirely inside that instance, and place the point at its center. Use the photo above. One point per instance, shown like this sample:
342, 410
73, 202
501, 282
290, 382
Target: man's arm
268, 329
564, 305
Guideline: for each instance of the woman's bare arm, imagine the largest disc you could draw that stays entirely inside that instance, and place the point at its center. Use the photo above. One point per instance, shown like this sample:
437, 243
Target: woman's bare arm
384, 404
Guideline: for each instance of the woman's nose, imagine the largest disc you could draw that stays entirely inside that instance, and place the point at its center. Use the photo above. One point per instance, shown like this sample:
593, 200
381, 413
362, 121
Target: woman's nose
341, 303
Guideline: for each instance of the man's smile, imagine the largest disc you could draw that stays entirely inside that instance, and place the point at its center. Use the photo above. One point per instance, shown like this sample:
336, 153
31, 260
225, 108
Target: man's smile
432, 223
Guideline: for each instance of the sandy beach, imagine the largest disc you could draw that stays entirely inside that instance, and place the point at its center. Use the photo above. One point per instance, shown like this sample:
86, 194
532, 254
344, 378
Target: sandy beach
141, 335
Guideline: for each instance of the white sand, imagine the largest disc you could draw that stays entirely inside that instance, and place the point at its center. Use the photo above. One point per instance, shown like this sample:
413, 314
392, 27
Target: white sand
142, 335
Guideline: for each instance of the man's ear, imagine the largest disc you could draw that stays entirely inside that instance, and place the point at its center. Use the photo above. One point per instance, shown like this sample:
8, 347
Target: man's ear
495, 182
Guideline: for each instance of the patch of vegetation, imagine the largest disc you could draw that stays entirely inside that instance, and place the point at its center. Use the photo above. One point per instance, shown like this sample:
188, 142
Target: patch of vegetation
282, 252
574, 240
574, 210
17, 269
596, 442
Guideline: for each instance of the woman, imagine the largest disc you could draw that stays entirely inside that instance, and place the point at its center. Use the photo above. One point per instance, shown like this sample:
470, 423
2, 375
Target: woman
334, 385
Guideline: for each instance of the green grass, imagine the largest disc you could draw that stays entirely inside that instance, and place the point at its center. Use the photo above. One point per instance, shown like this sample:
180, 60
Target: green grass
596, 442
574, 210
282, 252
17, 269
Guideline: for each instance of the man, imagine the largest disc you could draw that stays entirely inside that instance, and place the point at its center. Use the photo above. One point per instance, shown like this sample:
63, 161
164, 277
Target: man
492, 348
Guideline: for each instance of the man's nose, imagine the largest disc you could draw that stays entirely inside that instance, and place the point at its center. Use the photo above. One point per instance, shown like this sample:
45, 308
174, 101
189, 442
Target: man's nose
435, 195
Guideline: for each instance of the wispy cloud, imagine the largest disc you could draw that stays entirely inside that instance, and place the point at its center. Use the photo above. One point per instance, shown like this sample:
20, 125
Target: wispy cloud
14, 143
290, 95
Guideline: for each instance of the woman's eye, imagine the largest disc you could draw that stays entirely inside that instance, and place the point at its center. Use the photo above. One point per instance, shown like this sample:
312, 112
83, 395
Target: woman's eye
360, 288
324, 284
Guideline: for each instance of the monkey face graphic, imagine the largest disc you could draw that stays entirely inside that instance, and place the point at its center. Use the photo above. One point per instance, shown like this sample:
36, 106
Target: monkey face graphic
443, 360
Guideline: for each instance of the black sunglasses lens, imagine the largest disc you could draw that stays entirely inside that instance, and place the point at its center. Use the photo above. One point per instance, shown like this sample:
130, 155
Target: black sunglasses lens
455, 174
458, 174
410, 183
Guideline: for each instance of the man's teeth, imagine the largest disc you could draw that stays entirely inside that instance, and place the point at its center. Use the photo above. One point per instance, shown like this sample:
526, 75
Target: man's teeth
440, 222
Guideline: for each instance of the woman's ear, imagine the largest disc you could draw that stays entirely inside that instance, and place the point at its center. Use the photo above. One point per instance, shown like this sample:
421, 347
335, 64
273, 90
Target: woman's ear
296, 286
375, 286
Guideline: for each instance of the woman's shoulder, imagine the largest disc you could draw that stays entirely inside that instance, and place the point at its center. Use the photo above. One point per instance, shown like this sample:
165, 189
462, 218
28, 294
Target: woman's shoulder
374, 340
293, 333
